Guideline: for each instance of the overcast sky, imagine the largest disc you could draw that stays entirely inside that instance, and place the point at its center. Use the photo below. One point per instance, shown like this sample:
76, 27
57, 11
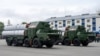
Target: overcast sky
18, 11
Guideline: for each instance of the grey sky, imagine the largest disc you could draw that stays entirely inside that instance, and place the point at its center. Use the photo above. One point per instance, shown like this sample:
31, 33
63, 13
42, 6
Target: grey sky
36, 10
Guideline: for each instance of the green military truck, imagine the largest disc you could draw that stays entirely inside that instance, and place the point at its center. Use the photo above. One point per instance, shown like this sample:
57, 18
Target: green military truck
35, 34
77, 35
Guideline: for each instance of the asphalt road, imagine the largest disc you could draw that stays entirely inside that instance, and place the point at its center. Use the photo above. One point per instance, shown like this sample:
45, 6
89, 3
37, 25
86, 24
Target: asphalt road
92, 50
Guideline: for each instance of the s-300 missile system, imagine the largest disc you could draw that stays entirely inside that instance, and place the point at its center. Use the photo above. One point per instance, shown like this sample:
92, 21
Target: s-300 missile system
34, 34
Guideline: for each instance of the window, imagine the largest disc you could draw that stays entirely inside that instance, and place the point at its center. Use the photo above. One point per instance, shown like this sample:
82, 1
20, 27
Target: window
60, 22
64, 25
93, 28
73, 24
88, 20
78, 21
88, 25
83, 19
64, 21
83, 24
72, 20
51, 23
93, 19
55, 25
94, 24
55, 21
68, 22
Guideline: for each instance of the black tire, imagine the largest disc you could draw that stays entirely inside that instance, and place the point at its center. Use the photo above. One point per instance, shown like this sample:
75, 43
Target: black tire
56, 43
85, 43
66, 42
14, 42
26, 42
76, 42
62, 43
9, 42
49, 45
37, 43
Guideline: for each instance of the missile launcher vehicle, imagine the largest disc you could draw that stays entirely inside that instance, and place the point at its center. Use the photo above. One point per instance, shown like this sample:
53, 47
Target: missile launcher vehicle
34, 34
77, 35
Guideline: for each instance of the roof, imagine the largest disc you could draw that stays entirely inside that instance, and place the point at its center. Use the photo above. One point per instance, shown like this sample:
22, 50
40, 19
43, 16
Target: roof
74, 17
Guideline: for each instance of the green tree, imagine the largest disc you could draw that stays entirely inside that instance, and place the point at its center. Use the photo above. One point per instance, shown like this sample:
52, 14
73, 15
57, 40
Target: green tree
1, 27
24, 22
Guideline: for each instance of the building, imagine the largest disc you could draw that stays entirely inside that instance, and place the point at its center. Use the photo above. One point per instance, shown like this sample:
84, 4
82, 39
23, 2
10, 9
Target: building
90, 21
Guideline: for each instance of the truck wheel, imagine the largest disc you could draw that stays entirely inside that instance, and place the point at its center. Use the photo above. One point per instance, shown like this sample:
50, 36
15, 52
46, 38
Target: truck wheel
49, 45
56, 43
85, 43
66, 42
26, 43
9, 42
76, 42
14, 42
37, 43
62, 43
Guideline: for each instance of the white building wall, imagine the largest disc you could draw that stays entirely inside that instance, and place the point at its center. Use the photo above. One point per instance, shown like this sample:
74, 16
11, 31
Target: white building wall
78, 23
60, 24
88, 23
68, 24
97, 24
52, 24
61, 27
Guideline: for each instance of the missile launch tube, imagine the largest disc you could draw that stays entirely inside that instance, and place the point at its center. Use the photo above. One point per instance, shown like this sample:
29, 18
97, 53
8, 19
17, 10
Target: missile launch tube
15, 32
15, 27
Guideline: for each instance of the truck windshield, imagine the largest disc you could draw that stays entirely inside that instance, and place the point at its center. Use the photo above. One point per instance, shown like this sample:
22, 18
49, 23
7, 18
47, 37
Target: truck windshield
33, 24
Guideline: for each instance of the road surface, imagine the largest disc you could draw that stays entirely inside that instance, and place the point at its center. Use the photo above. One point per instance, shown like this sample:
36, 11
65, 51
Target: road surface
58, 50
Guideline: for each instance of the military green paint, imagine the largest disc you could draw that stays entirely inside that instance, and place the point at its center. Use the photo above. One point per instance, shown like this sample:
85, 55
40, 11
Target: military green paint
42, 31
79, 33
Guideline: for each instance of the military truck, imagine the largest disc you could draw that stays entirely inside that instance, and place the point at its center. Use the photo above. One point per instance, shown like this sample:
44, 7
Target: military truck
34, 34
77, 35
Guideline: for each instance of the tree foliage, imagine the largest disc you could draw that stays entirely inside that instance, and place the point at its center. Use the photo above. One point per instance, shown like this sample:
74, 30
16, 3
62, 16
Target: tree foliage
1, 27
24, 22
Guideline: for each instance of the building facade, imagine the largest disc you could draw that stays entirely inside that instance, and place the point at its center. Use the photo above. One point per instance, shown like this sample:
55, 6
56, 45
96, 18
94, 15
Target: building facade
90, 21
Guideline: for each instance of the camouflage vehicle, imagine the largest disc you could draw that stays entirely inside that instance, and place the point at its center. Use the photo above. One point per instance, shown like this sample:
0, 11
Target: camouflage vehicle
35, 34
77, 35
